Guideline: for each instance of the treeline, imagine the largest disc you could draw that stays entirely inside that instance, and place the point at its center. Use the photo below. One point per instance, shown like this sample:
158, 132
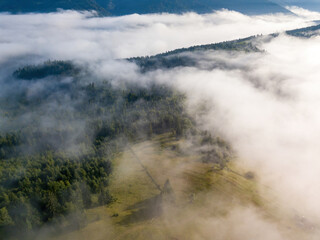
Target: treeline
305, 32
180, 57
40, 188
57, 144
48, 68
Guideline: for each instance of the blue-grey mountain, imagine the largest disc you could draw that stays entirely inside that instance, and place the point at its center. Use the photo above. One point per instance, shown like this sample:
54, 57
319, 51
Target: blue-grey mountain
124, 7
312, 5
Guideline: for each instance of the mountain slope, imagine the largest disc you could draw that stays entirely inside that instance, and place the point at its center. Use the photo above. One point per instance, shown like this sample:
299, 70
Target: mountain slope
44, 6
183, 57
124, 7
312, 5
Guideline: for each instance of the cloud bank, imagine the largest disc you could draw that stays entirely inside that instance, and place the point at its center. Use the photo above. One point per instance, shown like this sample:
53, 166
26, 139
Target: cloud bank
81, 36
268, 111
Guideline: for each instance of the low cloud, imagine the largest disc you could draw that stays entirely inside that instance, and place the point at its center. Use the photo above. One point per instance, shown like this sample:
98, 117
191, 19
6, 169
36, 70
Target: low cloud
267, 109
82, 36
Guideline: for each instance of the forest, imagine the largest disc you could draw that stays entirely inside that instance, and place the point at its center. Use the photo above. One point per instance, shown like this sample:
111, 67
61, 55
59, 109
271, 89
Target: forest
49, 172
55, 161
181, 57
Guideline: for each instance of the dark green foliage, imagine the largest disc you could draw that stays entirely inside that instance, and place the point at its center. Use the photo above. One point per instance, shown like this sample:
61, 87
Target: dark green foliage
181, 57
305, 32
5, 219
56, 162
49, 68
38, 188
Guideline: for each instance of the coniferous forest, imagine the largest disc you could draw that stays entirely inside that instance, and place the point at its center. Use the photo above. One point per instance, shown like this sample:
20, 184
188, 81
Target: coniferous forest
50, 171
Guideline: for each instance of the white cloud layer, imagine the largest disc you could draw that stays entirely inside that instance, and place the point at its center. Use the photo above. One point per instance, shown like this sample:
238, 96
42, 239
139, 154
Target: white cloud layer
73, 35
270, 115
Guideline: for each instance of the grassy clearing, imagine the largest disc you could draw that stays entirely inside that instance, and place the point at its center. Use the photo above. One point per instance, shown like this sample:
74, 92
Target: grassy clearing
140, 211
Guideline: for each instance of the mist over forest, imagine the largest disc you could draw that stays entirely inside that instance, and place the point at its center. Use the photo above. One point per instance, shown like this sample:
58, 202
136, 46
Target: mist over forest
160, 126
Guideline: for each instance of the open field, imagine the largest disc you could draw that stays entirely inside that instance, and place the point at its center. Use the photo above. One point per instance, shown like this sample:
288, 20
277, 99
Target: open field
197, 191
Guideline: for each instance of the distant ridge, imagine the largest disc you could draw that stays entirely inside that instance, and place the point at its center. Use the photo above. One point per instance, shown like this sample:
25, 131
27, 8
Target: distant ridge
180, 57
125, 7
46, 6
312, 5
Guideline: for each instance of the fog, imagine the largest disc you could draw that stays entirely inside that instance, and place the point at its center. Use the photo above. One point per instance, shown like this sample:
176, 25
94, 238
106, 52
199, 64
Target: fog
273, 127
265, 104
268, 111
81, 36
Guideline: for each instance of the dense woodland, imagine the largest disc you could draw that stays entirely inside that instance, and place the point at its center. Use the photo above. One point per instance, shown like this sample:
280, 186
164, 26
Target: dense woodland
305, 32
57, 144
182, 58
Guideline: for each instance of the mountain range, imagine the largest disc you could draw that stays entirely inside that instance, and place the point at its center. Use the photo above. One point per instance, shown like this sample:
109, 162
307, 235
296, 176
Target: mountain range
312, 5
125, 7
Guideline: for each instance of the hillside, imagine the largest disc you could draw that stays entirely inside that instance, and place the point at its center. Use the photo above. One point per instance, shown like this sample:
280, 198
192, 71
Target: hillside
184, 57
45, 6
312, 5
141, 211
195, 197
124, 7
80, 154
59, 161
